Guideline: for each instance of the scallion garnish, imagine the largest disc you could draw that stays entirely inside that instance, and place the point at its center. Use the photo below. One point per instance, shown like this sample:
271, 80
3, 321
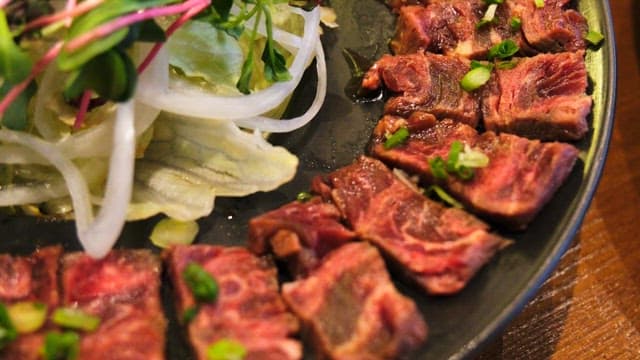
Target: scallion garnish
304, 196
74, 318
477, 64
189, 314
516, 23
475, 78
202, 285
506, 65
443, 195
461, 161
8, 332
489, 15
503, 50
397, 138
27, 316
438, 168
61, 346
226, 349
539, 3
594, 37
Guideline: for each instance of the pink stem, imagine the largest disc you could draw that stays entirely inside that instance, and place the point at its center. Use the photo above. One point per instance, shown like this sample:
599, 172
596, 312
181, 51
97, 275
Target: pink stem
127, 20
37, 69
68, 13
70, 5
82, 110
170, 30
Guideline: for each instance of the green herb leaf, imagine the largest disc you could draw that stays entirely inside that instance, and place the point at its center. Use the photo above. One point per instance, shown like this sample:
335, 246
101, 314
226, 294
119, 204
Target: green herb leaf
226, 349
275, 65
75, 319
539, 3
222, 8
202, 284
15, 64
61, 346
503, 50
245, 75
15, 116
475, 78
112, 75
397, 138
8, 332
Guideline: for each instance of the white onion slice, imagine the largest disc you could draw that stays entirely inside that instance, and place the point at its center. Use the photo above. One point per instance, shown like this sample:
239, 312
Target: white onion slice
100, 236
154, 86
285, 125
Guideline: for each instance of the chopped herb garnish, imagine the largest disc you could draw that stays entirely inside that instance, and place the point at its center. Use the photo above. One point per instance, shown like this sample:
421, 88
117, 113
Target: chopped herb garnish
475, 78
27, 316
397, 138
304, 196
489, 15
539, 3
516, 23
226, 349
202, 285
8, 332
485, 64
503, 50
75, 319
506, 65
443, 195
438, 168
461, 162
61, 346
190, 313
594, 37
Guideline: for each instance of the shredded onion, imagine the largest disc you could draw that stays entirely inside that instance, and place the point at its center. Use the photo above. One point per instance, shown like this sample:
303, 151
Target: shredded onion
154, 85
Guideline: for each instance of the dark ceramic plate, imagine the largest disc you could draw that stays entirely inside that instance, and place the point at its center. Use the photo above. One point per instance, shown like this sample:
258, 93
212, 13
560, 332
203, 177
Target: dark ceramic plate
460, 324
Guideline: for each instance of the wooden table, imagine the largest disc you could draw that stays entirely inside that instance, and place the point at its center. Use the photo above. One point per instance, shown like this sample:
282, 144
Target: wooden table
590, 307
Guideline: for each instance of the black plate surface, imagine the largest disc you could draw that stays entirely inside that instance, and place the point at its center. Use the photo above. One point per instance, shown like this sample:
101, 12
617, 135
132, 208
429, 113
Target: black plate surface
460, 324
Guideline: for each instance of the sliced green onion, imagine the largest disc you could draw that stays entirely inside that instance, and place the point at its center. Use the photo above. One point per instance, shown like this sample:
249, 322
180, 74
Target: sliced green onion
465, 173
489, 15
454, 154
503, 50
444, 196
506, 65
27, 316
75, 319
61, 346
169, 232
539, 3
203, 286
226, 349
472, 158
484, 64
189, 314
438, 168
475, 78
516, 23
594, 37
8, 332
397, 138
304, 196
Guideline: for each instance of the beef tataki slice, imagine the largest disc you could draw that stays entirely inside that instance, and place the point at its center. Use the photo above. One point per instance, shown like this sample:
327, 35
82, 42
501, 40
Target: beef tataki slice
32, 278
425, 83
123, 290
248, 309
439, 248
522, 174
542, 97
299, 233
351, 309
